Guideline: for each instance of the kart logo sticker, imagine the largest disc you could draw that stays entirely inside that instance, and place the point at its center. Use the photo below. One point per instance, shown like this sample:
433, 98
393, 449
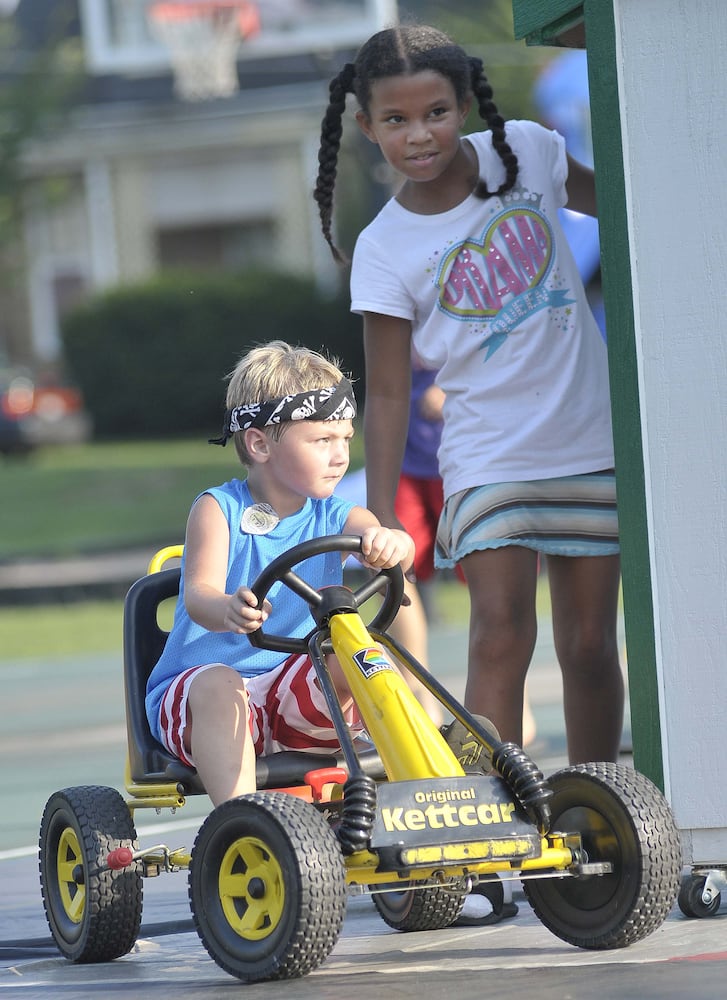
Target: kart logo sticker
371, 661
477, 810
437, 817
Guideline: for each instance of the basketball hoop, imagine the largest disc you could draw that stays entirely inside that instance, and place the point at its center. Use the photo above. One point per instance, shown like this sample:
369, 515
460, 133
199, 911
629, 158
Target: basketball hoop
203, 37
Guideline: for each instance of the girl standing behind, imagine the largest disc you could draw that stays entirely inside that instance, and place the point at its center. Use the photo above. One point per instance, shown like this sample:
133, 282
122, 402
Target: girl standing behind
469, 263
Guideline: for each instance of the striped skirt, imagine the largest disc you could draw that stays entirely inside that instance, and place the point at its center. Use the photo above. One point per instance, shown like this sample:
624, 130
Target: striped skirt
566, 516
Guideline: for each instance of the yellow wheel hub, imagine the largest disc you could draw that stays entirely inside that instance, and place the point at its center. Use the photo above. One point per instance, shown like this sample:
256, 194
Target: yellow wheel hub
70, 875
251, 888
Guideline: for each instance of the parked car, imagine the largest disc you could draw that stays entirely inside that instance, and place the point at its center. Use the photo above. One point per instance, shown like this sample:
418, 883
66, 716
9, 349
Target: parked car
37, 410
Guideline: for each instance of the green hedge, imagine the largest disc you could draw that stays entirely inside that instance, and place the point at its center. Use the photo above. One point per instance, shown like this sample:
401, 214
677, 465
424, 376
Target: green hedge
151, 359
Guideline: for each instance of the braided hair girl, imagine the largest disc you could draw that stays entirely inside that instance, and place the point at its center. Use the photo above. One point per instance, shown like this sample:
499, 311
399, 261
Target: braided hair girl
394, 52
468, 264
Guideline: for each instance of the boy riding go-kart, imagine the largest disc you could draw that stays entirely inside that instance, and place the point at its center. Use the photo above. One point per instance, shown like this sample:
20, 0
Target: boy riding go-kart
207, 711
594, 845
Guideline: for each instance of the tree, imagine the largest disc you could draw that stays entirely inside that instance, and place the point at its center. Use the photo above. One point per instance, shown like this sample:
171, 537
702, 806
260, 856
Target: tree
37, 85
485, 29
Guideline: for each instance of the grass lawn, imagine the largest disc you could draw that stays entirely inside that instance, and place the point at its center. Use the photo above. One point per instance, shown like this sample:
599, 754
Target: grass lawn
38, 632
104, 496
100, 497
45, 631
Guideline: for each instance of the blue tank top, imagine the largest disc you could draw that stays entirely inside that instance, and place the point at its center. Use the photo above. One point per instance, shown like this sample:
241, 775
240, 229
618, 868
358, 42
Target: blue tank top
191, 645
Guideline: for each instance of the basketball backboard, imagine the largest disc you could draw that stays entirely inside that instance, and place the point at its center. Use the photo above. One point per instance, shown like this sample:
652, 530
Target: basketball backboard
118, 37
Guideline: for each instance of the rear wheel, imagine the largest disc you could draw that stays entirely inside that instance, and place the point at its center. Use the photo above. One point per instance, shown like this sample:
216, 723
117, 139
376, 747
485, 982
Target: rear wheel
430, 908
267, 887
623, 819
94, 914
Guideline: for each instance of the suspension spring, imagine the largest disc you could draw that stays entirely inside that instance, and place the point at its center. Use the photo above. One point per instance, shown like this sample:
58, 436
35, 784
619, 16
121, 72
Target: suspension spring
526, 781
357, 816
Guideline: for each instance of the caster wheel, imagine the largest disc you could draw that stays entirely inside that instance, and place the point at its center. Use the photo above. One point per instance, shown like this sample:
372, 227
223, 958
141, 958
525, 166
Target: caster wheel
267, 887
623, 819
94, 914
690, 898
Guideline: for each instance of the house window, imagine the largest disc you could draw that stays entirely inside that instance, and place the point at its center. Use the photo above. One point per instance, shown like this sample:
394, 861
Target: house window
229, 247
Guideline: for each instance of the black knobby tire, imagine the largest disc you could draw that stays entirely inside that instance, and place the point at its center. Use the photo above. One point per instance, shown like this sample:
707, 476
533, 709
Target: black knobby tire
624, 819
267, 886
690, 898
430, 908
94, 914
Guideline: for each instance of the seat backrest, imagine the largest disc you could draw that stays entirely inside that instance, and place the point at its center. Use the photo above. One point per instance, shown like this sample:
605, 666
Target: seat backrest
144, 641
149, 761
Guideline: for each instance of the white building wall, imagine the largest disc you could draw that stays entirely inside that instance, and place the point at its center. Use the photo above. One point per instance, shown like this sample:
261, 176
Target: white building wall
135, 237
215, 188
131, 176
56, 244
672, 95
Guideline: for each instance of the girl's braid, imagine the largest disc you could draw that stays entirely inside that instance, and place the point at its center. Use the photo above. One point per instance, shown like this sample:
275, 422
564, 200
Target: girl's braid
482, 90
393, 52
331, 131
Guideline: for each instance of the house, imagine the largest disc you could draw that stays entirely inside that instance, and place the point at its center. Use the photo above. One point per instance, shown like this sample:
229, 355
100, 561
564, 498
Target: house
152, 180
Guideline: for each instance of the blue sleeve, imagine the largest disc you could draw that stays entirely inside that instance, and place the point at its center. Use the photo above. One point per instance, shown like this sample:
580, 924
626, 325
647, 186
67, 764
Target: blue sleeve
341, 509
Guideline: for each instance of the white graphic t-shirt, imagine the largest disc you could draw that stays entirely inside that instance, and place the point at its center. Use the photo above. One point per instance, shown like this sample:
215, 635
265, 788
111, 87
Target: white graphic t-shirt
497, 305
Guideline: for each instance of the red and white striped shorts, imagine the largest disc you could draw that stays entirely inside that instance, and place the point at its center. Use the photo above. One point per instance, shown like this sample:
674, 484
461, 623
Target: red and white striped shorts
287, 710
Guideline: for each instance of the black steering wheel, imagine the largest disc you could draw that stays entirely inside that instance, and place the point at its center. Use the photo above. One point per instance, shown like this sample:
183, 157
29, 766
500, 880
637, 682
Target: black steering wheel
391, 581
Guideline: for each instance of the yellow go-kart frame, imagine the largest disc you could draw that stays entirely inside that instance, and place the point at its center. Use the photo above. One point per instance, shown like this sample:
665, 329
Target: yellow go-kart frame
594, 846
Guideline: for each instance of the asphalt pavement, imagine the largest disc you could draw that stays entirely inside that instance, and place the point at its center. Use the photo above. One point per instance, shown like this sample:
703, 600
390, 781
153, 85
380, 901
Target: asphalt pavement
63, 725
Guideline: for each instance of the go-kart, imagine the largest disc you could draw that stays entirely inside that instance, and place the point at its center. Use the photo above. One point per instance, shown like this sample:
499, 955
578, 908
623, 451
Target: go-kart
594, 846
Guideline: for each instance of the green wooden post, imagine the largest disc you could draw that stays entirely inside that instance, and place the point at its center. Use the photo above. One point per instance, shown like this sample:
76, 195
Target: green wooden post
544, 22
617, 288
539, 20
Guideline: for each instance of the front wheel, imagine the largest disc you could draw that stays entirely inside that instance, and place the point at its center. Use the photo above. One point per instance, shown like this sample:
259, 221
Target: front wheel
267, 886
94, 914
430, 908
625, 820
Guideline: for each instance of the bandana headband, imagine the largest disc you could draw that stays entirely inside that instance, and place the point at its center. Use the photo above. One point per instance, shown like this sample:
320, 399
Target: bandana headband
334, 402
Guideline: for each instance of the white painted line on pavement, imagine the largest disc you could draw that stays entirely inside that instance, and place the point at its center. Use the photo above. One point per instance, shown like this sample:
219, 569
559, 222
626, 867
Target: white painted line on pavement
143, 831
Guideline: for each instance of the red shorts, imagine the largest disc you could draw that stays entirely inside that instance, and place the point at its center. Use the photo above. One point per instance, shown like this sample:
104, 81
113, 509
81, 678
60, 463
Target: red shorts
418, 505
286, 710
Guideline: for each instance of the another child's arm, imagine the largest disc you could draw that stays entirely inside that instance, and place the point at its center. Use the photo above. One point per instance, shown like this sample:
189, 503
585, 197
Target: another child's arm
206, 550
581, 188
381, 548
431, 403
387, 343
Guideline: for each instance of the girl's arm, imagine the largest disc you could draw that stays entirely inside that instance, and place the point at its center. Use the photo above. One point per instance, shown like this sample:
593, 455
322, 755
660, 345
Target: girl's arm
581, 188
387, 345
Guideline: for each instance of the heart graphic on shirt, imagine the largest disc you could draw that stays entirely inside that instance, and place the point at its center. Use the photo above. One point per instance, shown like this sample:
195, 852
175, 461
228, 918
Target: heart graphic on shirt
478, 278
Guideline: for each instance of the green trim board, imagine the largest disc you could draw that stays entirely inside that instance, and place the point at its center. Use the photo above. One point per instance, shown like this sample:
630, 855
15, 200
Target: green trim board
547, 22
537, 19
617, 288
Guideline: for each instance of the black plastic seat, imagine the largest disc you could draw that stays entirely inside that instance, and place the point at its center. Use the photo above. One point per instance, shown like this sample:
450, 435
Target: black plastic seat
149, 761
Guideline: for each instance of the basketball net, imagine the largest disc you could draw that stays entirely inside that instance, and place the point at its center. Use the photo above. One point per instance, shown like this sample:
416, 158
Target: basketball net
203, 38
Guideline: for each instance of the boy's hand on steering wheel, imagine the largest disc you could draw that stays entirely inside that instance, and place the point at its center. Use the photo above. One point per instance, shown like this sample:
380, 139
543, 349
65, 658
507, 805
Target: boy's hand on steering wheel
242, 614
382, 548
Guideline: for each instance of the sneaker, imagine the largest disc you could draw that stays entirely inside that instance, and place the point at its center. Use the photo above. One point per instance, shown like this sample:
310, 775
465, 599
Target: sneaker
465, 746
